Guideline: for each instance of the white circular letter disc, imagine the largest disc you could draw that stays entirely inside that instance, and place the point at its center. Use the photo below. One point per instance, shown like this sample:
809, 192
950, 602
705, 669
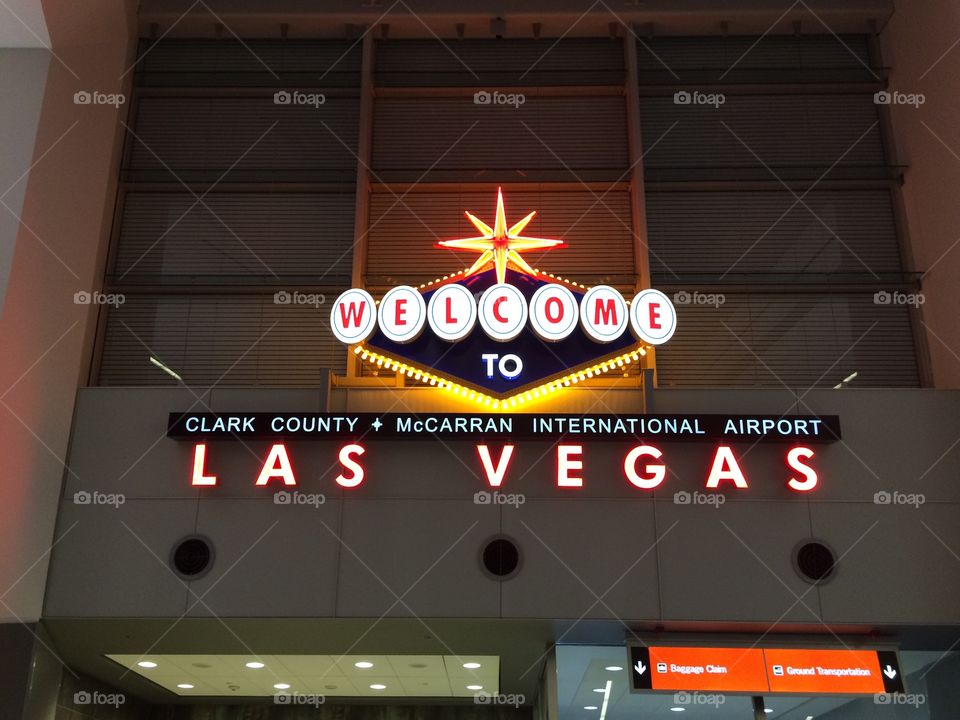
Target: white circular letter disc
353, 316
553, 312
503, 312
653, 317
603, 313
452, 312
402, 314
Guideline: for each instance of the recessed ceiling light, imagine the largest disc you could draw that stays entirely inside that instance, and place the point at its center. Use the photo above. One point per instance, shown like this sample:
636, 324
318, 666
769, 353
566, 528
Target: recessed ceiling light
471, 665
254, 665
589, 707
146, 664
613, 668
768, 710
677, 709
474, 687
599, 689
185, 686
378, 686
282, 686
363, 664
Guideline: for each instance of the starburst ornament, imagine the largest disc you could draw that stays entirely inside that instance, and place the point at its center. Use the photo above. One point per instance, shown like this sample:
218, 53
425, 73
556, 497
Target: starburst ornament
499, 244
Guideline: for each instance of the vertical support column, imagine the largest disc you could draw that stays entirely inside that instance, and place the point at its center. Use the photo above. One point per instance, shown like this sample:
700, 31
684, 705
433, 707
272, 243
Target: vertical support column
546, 707
892, 158
361, 218
758, 713
638, 208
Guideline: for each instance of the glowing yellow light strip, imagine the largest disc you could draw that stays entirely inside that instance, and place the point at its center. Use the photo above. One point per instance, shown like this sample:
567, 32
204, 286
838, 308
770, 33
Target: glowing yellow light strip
455, 276
456, 389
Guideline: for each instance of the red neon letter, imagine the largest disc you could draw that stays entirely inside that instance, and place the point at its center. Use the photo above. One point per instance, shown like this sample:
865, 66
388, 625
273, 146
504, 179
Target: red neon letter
554, 318
199, 457
496, 309
400, 309
565, 464
277, 465
450, 318
655, 316
495, 474
655, 473
608, 309
725, 467
352, 316
794, 458
356, 469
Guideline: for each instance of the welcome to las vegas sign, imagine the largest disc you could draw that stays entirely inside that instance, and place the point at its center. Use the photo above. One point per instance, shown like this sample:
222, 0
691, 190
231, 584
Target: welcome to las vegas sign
502, 332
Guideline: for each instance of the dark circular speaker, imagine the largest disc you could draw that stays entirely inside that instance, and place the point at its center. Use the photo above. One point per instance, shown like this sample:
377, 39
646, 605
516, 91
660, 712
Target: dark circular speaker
815, 561
501, 558
192, 557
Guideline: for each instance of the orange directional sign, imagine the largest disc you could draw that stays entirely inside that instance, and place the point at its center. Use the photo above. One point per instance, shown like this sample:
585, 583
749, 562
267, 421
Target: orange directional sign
826, 671
765, 670
709, 669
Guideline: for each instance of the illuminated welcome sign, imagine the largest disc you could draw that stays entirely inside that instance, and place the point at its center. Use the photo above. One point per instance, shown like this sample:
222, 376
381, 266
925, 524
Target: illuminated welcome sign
537, 332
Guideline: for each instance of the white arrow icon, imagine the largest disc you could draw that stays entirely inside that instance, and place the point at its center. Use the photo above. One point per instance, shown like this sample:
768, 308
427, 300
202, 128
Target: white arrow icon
890, 672
640, 667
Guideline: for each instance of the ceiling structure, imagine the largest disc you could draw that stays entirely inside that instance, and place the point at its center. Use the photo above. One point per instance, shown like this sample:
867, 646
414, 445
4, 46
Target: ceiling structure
344, 676
552, 18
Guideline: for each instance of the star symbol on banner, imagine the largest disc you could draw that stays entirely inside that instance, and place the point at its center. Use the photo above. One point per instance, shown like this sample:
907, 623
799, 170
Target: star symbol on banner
500, 245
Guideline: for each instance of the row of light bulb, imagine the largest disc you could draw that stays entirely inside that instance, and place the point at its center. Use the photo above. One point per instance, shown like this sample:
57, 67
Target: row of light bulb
360, 664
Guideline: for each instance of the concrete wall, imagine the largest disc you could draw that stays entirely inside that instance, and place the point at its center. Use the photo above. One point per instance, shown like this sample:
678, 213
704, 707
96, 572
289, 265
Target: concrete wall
59, 251
920, 44
23, 77
414, 524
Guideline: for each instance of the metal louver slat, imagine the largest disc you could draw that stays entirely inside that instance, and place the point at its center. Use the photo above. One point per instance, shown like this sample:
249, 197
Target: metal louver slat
800, 341
747, 51
249, 133
481, 63
709, 235
169, 237
597, 232
224, 340
545, 133
775, 131
252, 62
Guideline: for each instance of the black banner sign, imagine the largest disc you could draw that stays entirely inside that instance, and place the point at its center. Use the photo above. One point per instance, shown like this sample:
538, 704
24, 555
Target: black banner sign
532, 426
